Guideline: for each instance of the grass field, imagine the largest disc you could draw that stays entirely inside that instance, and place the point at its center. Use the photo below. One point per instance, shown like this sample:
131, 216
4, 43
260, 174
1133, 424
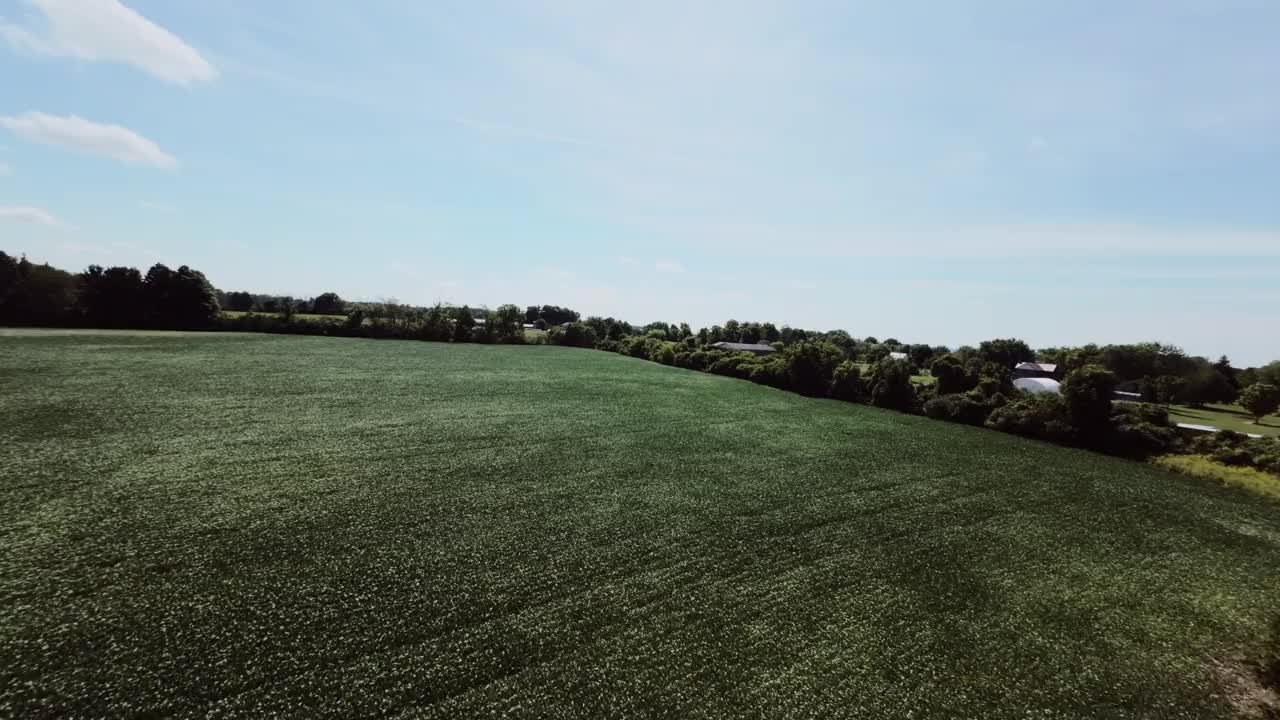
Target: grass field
1225, 417
251, 525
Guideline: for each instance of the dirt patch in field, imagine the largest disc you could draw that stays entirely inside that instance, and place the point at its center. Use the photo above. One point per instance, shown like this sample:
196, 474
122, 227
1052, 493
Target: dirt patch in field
1250, 687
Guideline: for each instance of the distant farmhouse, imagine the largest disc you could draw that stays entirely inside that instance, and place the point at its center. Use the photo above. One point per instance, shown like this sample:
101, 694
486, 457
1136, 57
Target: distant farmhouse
1035, 370
1036, 378
753, 348
1043, 378
898, 356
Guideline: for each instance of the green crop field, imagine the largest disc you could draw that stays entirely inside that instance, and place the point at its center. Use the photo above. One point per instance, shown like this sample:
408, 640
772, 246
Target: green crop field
230, 525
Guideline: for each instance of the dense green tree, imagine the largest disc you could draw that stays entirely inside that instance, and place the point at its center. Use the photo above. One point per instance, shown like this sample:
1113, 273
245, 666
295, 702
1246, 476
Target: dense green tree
1005, 352
1260, 399
553, 314
920, 354
574, 334
810, 366
1269, 373
328, 304
463, 322
890, 383
770, 333
1087, 392
875, 353
1169, 389
110, 297
846, 382
181, 299
33, 294
239, 301
750, 333
951, 375
507, 323
1204, 384
732, 331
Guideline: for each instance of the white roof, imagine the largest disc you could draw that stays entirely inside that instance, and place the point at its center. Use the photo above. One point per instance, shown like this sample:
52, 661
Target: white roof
897, 356
1038, 385
1039, 367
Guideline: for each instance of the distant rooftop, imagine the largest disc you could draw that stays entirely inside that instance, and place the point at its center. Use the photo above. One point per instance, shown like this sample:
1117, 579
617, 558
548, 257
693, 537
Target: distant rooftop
1036, 367
897, 356
745, 347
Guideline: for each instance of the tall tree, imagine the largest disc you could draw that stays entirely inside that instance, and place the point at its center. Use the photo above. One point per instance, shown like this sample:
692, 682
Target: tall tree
328, 304
1223, 366
463, 321
506, 322
110, 297
1087, 392
1005, 351
1260, 399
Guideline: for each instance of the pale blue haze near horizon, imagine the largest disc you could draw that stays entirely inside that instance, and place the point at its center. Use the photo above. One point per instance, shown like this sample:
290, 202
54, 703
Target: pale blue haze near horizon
937, 172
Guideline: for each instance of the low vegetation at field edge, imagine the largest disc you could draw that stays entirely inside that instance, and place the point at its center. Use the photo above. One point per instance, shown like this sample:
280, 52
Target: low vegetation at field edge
1262, 483
234, 314
192, 527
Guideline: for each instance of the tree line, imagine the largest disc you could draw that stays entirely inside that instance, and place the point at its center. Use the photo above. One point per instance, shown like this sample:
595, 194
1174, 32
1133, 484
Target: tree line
116, 297
971, 384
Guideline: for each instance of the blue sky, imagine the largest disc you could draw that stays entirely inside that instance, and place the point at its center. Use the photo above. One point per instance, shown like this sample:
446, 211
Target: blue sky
936, 172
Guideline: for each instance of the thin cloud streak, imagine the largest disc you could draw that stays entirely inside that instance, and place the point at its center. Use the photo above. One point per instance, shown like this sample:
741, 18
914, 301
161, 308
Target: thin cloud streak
76, 133
31, 215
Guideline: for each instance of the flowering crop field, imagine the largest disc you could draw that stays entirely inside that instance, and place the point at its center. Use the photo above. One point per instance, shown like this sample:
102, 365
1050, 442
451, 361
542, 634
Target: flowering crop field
257, 526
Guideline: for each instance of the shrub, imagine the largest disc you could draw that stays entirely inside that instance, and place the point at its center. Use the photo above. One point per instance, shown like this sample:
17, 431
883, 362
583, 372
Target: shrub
951, 375
810, 366
1140, 431
846, 382
1239, 450
1087, 392
969, 408
890, 384
1042, 416
773, 372
665, 354
573, 334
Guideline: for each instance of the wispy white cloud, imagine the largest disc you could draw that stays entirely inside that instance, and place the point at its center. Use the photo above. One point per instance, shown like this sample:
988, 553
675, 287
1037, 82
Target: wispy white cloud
624, 260
107, 31
668, 266
32, 215
76, 133
5, 169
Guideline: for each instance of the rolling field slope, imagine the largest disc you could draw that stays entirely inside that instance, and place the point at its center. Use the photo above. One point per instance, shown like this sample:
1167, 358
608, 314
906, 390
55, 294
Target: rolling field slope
250, 525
